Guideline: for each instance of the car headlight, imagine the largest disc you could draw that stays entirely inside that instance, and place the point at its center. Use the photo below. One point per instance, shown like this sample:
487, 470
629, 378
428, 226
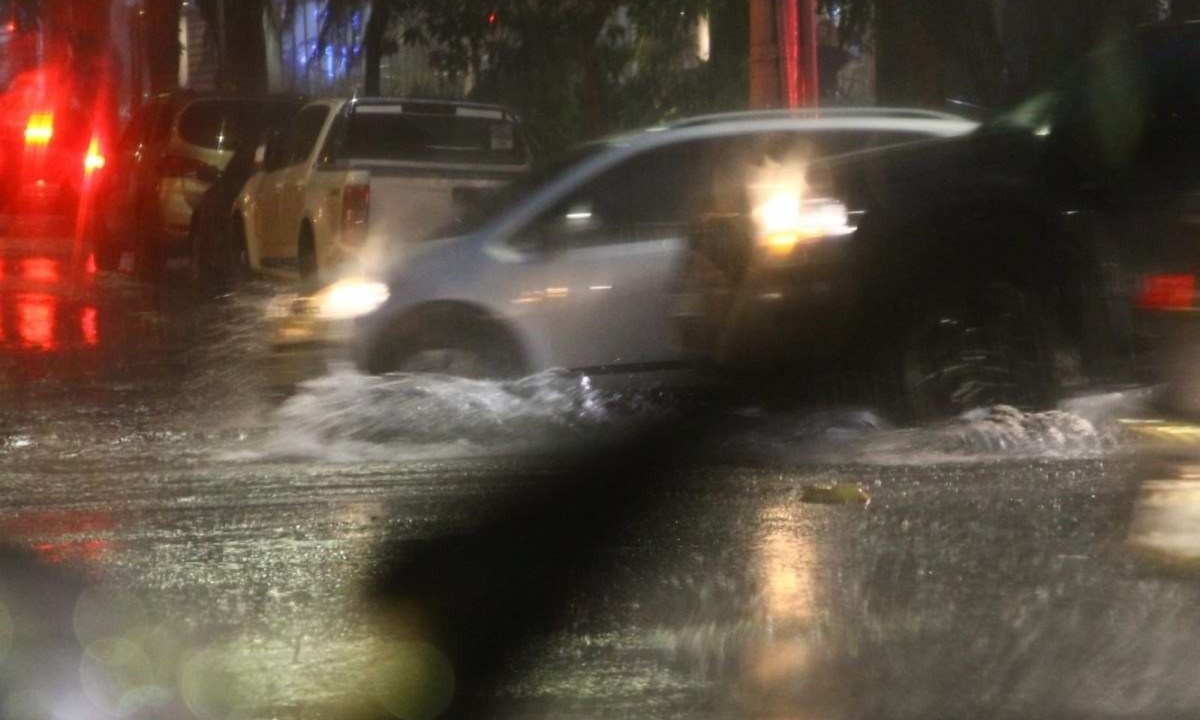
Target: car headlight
786, 219
350, 298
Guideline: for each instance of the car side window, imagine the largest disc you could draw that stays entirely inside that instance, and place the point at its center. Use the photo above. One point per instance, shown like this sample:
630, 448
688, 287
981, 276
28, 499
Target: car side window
650, 193
304, 134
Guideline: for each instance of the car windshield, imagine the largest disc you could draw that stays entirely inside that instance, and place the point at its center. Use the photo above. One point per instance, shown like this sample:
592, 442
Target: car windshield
481, 209
475, 138
229, 124
664, 359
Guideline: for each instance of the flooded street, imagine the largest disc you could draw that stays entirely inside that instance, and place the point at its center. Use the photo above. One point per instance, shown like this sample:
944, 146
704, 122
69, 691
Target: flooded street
215, 537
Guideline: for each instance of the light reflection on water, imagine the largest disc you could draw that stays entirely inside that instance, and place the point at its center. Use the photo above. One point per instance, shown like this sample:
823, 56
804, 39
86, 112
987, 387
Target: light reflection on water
281, 577
784, 559
37, 320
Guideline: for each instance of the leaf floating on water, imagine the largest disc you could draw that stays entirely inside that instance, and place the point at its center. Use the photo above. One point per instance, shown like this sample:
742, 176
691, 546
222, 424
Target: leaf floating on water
837, 494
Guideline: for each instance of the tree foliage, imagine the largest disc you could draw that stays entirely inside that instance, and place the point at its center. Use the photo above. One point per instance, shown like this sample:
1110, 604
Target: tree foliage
573, 68
986, 52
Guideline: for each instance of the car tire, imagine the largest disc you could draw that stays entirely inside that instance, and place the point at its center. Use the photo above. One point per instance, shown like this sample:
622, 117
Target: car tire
239, 251
449, 343
200, 265
991, 345
306, 259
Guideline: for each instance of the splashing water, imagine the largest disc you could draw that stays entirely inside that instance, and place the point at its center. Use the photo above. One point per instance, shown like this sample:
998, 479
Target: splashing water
348, 415
1085, 427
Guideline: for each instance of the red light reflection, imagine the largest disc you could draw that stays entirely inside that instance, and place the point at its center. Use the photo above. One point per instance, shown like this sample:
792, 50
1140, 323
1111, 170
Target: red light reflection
36, 320
1167, 292
65, 536
40, 270
89, 327
74, 551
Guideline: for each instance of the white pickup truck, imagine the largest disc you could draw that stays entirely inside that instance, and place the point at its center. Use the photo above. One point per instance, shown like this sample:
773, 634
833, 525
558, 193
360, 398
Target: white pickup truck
351, 178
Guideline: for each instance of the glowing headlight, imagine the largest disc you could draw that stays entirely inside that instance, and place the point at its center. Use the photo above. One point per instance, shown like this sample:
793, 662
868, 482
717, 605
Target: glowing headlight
786, 220
350, 298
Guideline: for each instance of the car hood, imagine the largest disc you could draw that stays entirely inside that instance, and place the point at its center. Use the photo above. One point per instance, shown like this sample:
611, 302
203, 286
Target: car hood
431, 260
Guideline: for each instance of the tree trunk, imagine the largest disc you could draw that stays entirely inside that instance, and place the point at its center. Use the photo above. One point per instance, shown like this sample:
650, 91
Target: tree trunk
376, 33
245, 63
595, 119
910, 64
765, 89
161, 26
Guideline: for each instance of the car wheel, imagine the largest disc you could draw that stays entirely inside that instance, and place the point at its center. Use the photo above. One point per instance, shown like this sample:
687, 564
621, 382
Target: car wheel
460, 362
991, 346
306, 257
200, 267
449, 343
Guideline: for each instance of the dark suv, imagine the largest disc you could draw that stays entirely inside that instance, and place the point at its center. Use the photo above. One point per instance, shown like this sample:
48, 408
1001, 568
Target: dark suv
171, 153
986, 268
52, 144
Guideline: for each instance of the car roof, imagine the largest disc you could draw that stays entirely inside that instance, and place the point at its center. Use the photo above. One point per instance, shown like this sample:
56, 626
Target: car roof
458, 105
735, 124
816, 113
611, 151
248, 99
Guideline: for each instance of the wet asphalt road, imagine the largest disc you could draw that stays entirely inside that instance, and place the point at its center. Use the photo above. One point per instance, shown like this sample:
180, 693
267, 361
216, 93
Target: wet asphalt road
210, 533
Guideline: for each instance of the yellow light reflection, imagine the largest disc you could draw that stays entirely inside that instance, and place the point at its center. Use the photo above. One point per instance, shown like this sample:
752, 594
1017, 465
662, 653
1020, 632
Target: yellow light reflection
784, 558
1166, 517
209, 686
414, 681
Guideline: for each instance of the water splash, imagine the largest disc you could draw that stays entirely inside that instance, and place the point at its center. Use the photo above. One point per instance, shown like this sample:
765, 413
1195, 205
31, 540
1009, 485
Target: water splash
1081, 428
349, 415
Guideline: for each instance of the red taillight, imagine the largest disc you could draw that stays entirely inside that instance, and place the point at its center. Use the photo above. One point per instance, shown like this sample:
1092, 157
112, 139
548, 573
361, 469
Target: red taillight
40, 129
174, 166
1167, 292
356, 210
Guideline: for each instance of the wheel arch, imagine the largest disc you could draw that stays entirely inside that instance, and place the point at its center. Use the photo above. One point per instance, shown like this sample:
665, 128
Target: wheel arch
404, 330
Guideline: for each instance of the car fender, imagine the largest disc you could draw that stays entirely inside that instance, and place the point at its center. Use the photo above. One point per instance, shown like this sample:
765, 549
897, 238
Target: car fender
321, 203
420, 279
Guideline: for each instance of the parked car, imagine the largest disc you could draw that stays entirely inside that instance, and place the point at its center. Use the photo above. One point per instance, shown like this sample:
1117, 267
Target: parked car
352, 177
52, 144
994, 267
577, 267
171, 153
218, 244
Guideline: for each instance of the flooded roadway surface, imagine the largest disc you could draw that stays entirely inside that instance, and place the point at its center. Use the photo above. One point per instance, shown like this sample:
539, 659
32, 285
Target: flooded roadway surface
191, 540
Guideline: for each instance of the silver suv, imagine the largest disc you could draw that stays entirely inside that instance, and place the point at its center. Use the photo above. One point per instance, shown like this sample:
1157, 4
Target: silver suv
579, 267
